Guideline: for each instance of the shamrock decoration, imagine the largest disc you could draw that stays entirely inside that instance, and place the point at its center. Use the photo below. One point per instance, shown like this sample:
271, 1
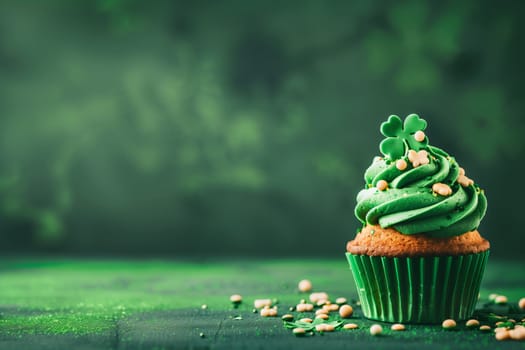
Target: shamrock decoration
400, 136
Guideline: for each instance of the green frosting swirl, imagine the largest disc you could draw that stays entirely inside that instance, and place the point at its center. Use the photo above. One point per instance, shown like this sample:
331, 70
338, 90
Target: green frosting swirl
409, 204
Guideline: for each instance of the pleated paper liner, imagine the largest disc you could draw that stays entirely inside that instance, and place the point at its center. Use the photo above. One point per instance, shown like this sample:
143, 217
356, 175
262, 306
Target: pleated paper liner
418, 289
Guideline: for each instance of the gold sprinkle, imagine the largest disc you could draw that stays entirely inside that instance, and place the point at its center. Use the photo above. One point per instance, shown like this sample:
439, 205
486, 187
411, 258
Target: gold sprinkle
315, 297
418, 158
304, 286
521, 304
299, 331
350, 326
503, 335
340, 301
322, 302
517, 333
398, 327
287, 317
382, 185
472, 323
260, 303
304, 307
401, 164
332, 307
236, 298
501, 299
321, 311
329, 328
442, 189
346, 311
419, 136
269, 312
449, 324
376, 329
484, 328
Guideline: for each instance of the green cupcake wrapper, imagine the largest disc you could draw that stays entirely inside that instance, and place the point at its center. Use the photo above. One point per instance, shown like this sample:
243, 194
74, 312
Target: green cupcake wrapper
418, 289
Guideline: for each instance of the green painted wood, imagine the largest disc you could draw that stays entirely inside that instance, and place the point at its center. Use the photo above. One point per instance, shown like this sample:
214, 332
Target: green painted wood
104, 304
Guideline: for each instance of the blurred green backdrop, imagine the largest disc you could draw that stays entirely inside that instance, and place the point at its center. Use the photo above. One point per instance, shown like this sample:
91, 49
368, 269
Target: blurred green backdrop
243, 127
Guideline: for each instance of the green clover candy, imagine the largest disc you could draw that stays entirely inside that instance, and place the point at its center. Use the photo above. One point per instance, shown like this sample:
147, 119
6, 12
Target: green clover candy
400, 136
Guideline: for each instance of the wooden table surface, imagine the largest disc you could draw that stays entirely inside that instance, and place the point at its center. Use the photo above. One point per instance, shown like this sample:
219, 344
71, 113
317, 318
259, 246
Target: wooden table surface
157, 304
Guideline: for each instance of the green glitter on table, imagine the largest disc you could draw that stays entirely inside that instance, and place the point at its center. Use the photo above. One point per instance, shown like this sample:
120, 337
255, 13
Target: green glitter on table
49, 304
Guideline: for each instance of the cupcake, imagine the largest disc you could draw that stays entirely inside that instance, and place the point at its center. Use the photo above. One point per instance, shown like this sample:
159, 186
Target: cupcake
418, 257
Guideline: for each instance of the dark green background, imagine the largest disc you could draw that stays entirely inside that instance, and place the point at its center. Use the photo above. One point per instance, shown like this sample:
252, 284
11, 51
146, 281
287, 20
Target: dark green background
243, 127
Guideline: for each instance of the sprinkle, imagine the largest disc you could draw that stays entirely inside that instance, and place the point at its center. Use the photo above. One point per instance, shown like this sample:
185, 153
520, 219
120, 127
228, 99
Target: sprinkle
304, 307
340, 301
418, 158
442, 189
306, 319
287, 317
398, 327
322, 302
484, 328
321, 311
320, 327
324, 327
236, 298
315, 297
401, 164
346, 311
204, 306
304, 286
521, 303
419, 136
273, 312
269, 312
376, 329
449, 324
202, 335
501, 299
350, 326
382, 185
322, 316
332, 307
472, 323
503, 335
299, 331
464, 181
260, 303
329, 328
517, 333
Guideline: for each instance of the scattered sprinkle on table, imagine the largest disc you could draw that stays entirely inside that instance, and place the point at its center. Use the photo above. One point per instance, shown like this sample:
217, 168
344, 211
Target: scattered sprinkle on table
236, 298
304, 286
449, 324
350, 326
501, 299
346, 311
398, 327
376, 330
472, 323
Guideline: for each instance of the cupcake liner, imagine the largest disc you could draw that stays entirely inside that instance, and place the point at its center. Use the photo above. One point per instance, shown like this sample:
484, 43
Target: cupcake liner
418, 289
